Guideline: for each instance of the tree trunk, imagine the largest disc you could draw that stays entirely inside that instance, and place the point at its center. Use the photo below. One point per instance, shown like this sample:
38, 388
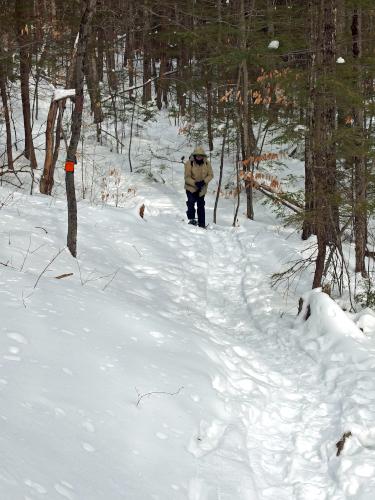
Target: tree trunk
84, 33
23, 13
147, 89
110, 40
4, 98
92, 80
46, 180
238, 183
248, 148
159, 82
360, 174
180, 84
248, 135
209, 113
161, 92
320, 260
221, 167
130, 49
53, 146
322, 133
100, 56
308, 227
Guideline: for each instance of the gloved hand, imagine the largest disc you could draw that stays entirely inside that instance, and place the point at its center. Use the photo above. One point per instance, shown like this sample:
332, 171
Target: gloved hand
200, 184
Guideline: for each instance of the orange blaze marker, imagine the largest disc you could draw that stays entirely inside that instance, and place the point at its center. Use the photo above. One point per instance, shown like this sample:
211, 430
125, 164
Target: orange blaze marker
69, 166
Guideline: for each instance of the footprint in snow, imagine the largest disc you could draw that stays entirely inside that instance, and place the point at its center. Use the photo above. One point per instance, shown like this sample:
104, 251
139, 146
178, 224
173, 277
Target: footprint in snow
65, 490
14, 350
241, 351
59, 412
11, 358
208, 438
17, 337
36, 487
88, 426
157, 335
198, 489
88, 447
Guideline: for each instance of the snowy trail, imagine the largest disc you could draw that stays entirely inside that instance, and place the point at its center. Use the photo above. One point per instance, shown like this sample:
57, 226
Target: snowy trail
239, 401
279, 412
251, 390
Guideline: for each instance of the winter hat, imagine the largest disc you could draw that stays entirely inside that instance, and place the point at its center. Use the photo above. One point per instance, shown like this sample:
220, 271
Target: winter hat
199, 151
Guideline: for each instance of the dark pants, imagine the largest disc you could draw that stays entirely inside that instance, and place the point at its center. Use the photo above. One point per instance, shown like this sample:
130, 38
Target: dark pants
192, 199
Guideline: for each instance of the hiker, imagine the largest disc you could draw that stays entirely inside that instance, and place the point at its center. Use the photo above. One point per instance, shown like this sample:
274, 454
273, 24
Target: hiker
198, 173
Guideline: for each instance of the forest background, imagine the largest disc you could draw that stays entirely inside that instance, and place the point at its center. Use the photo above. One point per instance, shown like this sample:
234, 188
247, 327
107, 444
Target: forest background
258, 81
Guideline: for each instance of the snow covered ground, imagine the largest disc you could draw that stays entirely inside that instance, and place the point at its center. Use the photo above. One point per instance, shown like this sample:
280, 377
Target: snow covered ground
165, 367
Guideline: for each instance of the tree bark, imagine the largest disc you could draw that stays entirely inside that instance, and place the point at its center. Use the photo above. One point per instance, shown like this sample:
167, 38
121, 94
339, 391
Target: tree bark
322, 132
23, 12
209, 113
182, 63
130, 48
221, 168
4, 98
46, 180
248, 135
360, 174
147, 89
92, 80
161, 83
53, 146
84, 33
308, 227
110, 40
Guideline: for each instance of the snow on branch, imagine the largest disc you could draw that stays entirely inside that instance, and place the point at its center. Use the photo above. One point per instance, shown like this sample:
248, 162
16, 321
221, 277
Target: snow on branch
274, 44
59, 94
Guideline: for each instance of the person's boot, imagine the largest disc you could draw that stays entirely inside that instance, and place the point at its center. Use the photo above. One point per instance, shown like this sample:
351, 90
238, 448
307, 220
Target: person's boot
193, 222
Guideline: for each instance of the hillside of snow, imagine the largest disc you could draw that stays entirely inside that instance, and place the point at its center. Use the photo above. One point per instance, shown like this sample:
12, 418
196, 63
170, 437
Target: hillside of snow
165, 367
161, 364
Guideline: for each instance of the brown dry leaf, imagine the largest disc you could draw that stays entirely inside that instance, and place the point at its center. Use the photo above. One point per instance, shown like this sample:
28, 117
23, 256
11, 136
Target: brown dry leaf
264, 180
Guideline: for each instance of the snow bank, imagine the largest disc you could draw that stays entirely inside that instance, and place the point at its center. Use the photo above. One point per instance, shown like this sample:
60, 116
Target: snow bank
165, 367
326, 317
162, 369
365, 320
329, 334
344, 358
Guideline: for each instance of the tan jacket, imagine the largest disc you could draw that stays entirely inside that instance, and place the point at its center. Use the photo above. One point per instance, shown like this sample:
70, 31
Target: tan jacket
195, 173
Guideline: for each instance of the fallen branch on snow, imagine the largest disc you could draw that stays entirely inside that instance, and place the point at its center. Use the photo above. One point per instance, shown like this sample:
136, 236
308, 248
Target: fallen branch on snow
66, 275
47, 266
141, 396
